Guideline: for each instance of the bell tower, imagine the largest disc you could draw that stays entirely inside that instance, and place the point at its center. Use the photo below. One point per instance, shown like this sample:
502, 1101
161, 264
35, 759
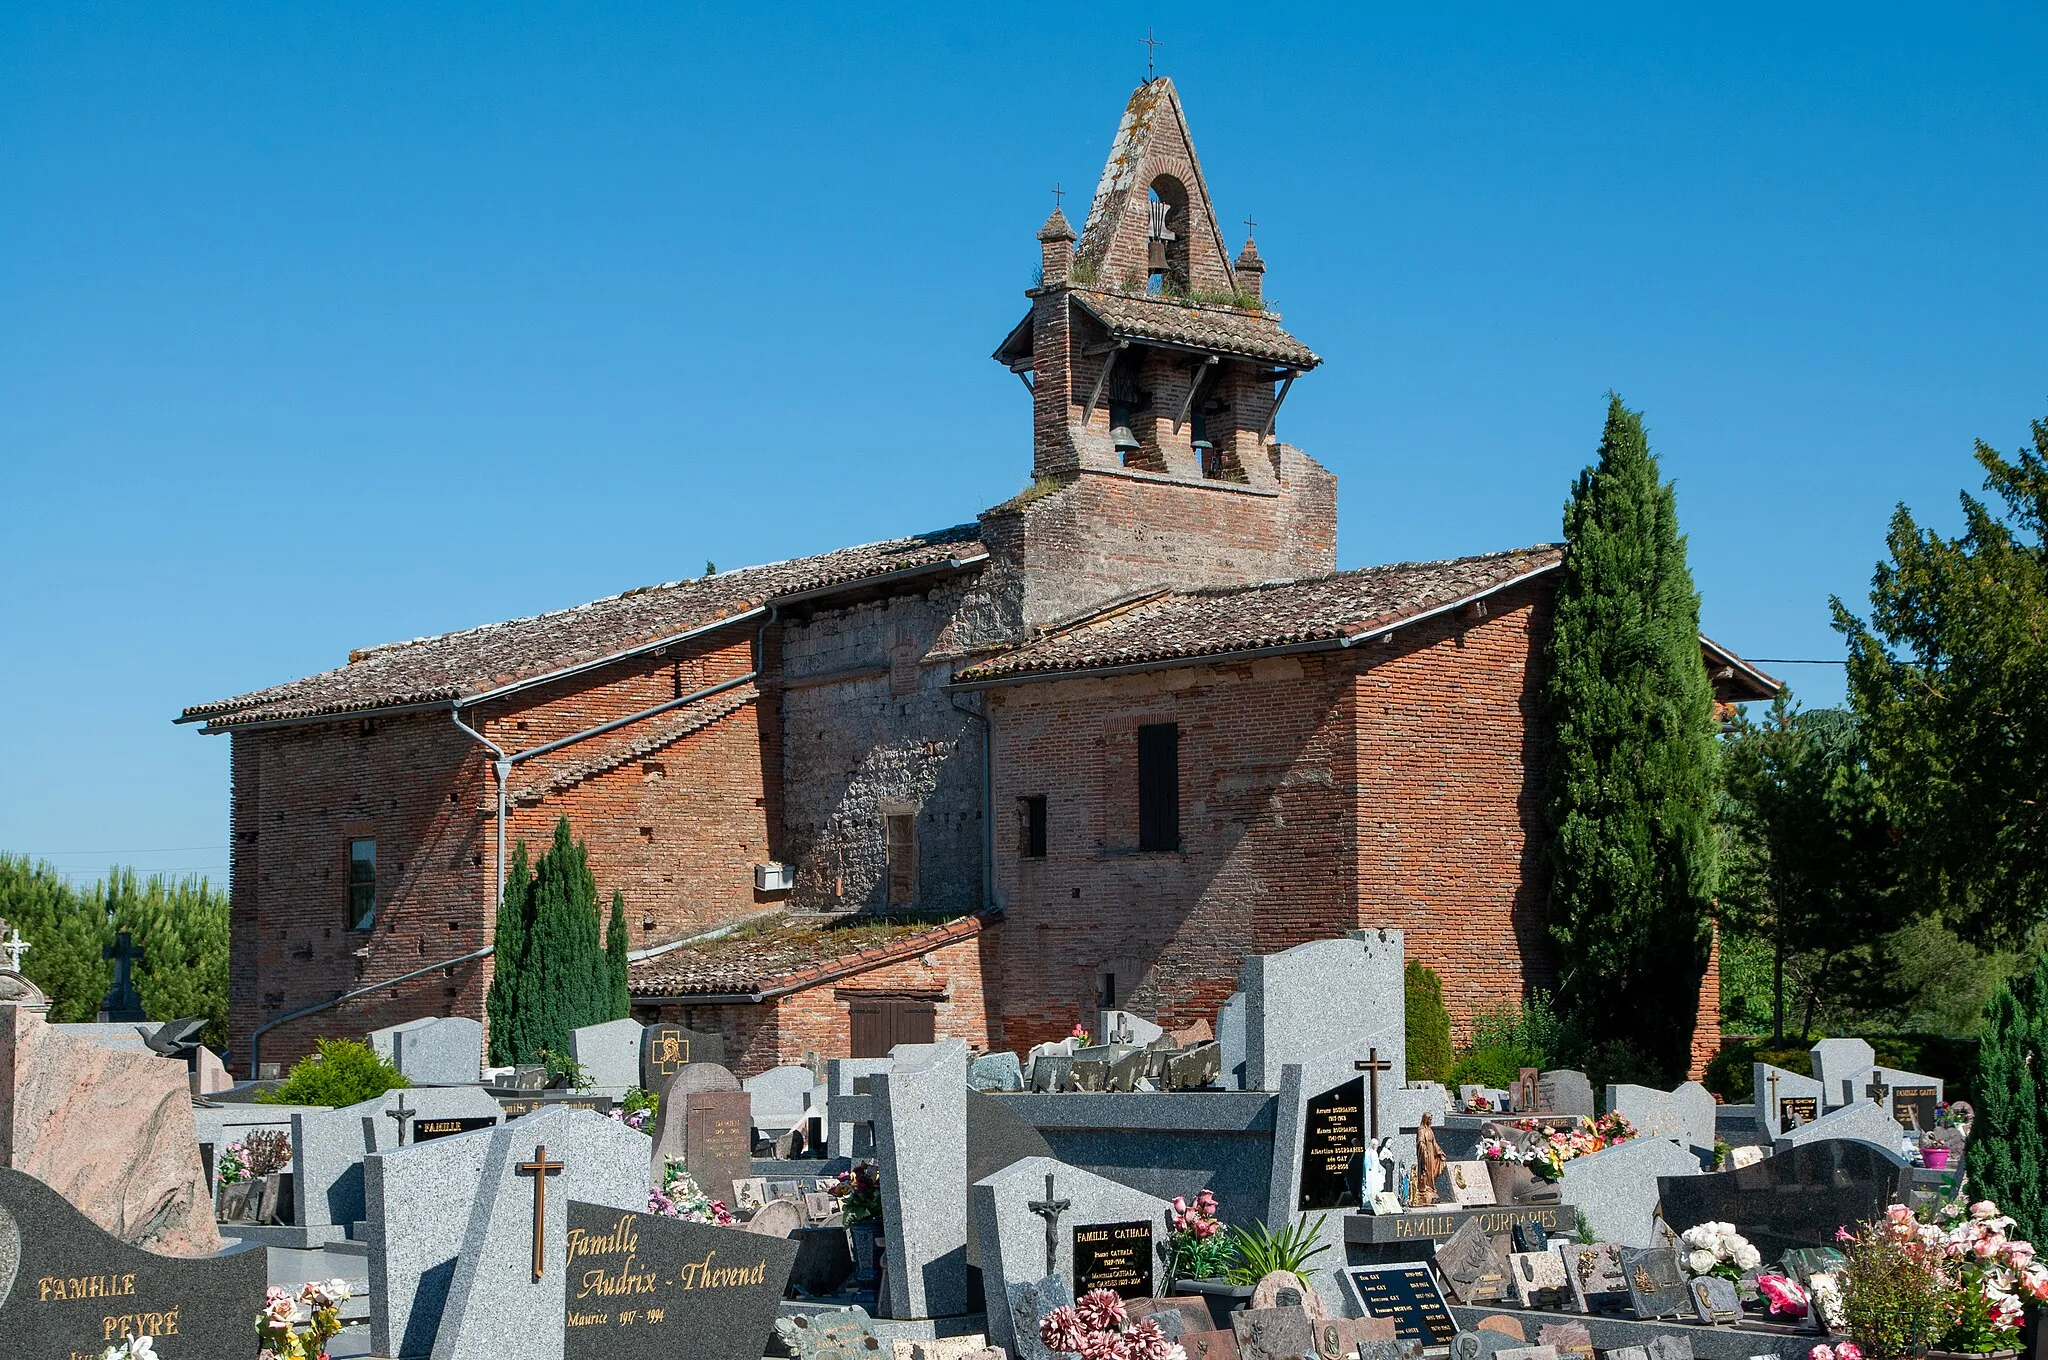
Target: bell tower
1157, 371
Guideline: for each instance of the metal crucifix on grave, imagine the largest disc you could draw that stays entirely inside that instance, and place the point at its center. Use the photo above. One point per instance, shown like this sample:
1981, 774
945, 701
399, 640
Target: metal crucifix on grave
540, 1168
1372, 1064
398, 1114
1050, 1210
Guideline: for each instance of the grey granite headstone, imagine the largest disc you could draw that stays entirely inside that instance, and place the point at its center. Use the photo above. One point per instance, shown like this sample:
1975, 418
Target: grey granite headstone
1012, 1237
385, 1041
328, 1146
920, 1112
1684, 1115
1566, 1091
1670, 1346
781, 1096
996, 1072
1770, 1097
1125, 1027
851, 1113
707, 1292
418, 1204
446, 1051
1029, 1302
1842, 1067
1325, 996
609, 1053
1862, 1120
1616, 1187
1919, 1094
496, 1309
1230, 1040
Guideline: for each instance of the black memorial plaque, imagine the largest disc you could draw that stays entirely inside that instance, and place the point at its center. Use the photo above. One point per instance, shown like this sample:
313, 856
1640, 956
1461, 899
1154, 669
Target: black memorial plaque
1798, 1198
666, 1049
1914, 1106
427, 1130
1796, 1110
1656, 1282
1113, 1256
644, 1287
1407, 1293
1333, 1147
69, 1288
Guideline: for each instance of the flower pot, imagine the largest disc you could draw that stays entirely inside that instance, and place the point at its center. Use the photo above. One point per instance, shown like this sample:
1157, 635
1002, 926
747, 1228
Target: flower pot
1222, 1297
1935, 1157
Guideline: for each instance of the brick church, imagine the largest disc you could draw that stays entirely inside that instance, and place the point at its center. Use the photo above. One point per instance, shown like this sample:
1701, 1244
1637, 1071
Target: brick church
1093, 748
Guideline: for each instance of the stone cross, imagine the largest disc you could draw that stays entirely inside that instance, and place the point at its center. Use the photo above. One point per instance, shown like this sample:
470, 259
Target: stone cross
540, 1168
1050, 1210
398, 1114
121, 1002
13, 947
1372, 1065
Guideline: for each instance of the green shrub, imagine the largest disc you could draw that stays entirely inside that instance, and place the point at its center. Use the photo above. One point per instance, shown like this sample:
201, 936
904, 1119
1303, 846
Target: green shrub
1257, 1252
1505, 1042
1429, 1025
1895, 1306
341, 1072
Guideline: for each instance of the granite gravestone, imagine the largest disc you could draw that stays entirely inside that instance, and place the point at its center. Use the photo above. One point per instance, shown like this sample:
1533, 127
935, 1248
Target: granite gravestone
1797, 1198
1531, 1236
1340, 1338
69, 1288
719, 1143
920, 1117
1538, 1279
1615, 1189
1567, 1339
672, 1118
1471, 1267
445, 1051
1526, 1353
1670, 1346
1865, 1120
1273, 1333
996, 1072
1566, 1092
1332, 1148
1593, 1269
427, 1130
1028, 1303
1656, 1282
1176, 1316
1714, 1301
1114, 1256
665, 1049
643, 1287
1406, 1292
1324, 997
1914, 1106
1842, 1066
609, 1053
417, 1201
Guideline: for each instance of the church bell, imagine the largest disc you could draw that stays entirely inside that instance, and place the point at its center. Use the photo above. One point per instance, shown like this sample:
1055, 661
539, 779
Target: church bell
1124, 438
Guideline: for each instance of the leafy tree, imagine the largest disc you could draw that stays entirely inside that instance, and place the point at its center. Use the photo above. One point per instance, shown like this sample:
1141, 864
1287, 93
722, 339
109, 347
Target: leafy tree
1807, 858
1429, 1024
508, 963
615, 959
2008, 1153
1629, 779
64, 937
1950, 679
338, 1072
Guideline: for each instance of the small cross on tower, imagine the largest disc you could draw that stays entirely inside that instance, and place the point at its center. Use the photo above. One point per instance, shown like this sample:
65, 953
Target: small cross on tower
1250, 225
1152, 46
1050, 1210
1057, 194
540, 1168
1372, 1064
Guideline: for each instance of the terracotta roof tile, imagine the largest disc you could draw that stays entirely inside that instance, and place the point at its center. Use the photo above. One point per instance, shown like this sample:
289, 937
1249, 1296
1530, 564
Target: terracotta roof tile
1169, 626
1225, 330
785, 952
641, 739
468, 663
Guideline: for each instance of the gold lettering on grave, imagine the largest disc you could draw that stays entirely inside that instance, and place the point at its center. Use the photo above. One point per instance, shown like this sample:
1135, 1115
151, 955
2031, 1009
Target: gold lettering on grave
703, 1275
72, 1288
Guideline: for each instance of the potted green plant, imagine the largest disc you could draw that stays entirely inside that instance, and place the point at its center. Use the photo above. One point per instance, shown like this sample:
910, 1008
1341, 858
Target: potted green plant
1950, 1282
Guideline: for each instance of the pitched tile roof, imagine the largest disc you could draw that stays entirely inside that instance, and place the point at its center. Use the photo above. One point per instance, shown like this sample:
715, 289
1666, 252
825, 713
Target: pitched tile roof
1204, 326
642, 739
477, 660
1169, 625
784, 952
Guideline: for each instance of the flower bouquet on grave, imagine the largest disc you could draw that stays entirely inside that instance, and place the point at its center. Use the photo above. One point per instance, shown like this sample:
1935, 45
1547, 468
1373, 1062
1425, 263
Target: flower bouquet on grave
1097, 1328
233, 1167
299, 1326
1196, 1248
1545, 1150
1717, 1249
134, 1348
859, 1193
680, 1197
1951, 1279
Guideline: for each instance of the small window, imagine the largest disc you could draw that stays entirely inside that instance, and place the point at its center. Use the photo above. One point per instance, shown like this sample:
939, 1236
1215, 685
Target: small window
362, 884
1031, 827
901, 829
1159, 786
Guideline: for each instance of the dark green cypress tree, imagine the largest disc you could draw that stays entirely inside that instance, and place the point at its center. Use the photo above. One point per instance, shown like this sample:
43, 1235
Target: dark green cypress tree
2008, 1154
1629, 774
615, 959
567, 981
509, 962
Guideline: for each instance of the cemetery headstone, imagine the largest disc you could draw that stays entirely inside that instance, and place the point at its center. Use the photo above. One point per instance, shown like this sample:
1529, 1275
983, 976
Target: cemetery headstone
996, 1072
1332, 1148
1780, 1095
1471, 1267
1127, 1027
1471, 1184
1177, 1316
1114, 1256
1567, 1339
719, 1140
1208, 1345
1405, 1291
445, 1051
1273, 1333
1714, 1300
1795, 1199
1566, 1092
427, 1130
1230, 1040
1656, 1282
1863, 1120
70, 1288
666, 1049
1504, 1325
842, 1334
1914, 1103
1842, 1066
644, 1287
777, 1218
328, 1147
1530, 1235
609, 1053
672, 1117
1538, 1279
782, 1096
1594, 1272
1323, 997
417, 1203
1284, 1289
1029, 1302
1670, 1346
920, 1108
1616, 1187
1340, 1338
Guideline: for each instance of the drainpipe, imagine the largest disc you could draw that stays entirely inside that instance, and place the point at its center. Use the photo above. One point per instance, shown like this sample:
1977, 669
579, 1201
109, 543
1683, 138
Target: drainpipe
988, 795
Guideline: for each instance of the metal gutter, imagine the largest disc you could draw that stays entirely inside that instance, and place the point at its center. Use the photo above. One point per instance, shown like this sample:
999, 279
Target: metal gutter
580, 667
342, 715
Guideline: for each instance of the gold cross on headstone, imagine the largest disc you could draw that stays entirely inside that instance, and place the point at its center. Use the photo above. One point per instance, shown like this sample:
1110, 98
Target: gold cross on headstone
540, 1168
1372, 1064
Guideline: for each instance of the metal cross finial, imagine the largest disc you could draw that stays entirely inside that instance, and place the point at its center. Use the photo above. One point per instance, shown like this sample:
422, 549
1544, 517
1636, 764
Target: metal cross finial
13, 947
540, 1168
1050, 1210
1152, 46
1057, 194
1250, 225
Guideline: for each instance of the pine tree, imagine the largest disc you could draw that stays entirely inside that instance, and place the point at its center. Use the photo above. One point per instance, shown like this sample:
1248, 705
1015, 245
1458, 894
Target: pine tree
2008, 1153
1629, 777
615, 959
508, 964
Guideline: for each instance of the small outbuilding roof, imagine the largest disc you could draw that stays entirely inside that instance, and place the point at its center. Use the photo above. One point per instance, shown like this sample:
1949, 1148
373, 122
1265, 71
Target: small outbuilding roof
787, 952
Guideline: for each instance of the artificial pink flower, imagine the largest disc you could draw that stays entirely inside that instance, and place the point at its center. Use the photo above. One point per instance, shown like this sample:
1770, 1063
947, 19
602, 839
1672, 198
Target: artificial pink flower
1983, 1209
1061, 1330
1848, 1350
1783, 1295
1821, 1353
1106, 1345
1144, 1341
1100, 1309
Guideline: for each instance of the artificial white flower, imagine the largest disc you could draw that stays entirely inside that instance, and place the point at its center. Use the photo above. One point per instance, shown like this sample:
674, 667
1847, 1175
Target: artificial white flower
1702, 1261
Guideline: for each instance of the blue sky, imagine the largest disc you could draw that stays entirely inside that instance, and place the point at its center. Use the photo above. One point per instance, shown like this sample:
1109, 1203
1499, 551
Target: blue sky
327, 326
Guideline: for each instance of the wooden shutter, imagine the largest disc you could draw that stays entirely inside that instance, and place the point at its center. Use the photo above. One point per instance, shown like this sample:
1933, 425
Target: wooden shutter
1159, 786
870, 1022
915, 1021
902, 852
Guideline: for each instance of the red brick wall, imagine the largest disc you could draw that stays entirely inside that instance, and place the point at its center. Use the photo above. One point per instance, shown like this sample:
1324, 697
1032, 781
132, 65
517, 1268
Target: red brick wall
1706, 1025
790, 1029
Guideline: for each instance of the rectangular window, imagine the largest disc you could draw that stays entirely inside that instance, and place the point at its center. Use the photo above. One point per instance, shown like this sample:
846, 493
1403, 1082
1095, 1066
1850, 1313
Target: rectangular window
362, 884
1031, 827
1159, 786
901, 829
